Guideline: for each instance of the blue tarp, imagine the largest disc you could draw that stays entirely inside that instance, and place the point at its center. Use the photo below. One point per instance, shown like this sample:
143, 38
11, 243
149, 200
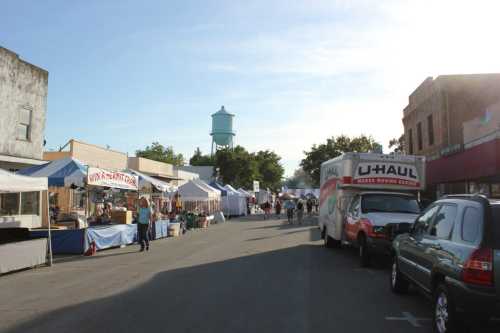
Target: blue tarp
219, 187
77, 241
64, 172
64, 241
161, 229
111, 236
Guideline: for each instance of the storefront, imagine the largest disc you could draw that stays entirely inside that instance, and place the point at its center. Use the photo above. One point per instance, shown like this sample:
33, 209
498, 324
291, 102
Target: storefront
473, 169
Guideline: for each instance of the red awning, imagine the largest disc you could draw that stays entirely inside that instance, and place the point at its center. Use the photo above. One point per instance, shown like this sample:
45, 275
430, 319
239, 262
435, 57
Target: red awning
477, 162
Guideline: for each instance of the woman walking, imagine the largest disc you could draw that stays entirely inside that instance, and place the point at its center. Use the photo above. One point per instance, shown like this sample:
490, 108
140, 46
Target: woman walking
277, 207
143, 221
290, 207
300, 211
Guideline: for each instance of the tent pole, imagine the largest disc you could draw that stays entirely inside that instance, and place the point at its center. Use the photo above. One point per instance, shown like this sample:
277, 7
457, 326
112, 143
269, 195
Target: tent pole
50, 234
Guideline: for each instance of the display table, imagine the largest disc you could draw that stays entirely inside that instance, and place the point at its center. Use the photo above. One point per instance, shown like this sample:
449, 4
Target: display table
108, 236
78, 241
160, 229
64, 241
24, 254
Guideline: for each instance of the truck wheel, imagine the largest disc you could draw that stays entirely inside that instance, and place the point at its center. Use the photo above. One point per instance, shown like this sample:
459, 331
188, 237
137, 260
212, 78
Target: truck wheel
444, 318
364, 253
328, 240
399, 284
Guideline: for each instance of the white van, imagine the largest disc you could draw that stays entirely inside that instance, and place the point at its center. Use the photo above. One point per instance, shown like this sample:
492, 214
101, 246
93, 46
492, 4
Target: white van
366, 199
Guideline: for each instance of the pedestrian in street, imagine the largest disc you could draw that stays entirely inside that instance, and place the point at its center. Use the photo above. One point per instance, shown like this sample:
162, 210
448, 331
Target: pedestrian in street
267, 209
309, 205
300, 211
143, 222
290, 207
277, 207
316, 205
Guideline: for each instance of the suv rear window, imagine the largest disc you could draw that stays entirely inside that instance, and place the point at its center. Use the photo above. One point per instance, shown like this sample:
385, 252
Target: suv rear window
471, 224
389, 203
495, 211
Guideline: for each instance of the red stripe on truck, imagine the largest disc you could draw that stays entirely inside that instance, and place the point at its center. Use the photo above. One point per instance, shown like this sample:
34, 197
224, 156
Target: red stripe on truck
385, 181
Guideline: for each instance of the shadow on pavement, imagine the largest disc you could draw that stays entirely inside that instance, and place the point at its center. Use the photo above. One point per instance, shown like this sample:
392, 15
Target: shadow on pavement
305, 288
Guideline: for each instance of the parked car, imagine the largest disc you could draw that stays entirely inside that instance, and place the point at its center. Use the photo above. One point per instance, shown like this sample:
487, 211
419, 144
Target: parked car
452, 253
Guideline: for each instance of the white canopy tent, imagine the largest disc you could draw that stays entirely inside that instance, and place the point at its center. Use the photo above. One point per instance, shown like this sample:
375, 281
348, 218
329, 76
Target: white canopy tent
214, 192
12, 183
197, 195
245, 193
22, 254
237, 202
192, 191
160, 185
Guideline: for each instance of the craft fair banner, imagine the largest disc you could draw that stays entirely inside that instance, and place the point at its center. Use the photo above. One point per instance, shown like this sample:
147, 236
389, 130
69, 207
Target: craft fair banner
115, 179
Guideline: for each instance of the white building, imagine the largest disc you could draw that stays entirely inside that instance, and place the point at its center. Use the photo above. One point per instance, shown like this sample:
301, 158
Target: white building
23, 109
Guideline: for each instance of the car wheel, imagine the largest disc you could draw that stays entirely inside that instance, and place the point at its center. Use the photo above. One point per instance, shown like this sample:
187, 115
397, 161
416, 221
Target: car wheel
444, 320
399, 284
364, 253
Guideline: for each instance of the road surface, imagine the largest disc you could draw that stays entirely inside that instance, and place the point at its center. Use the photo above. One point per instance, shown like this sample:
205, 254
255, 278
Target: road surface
247, 275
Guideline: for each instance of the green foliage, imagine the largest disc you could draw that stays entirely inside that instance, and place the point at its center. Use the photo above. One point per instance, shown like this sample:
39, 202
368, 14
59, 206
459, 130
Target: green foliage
270, 170
334, 147
199, 159
240, 168
300, 179
158, 152
398, 144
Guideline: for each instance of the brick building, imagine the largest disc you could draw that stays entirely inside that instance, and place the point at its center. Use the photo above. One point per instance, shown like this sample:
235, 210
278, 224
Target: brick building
454, 120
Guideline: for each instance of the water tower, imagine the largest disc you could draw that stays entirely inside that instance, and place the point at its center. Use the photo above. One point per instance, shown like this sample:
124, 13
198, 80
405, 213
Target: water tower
222, 130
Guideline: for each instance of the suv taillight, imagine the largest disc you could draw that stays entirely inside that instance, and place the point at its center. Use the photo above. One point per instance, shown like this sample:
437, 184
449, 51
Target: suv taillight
478, 269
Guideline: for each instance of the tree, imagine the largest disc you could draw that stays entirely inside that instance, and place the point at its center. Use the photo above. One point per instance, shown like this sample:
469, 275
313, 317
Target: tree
270, 170
201, 160
398, 144
240, 168
158, 152
334, 147
300, 179
236, 167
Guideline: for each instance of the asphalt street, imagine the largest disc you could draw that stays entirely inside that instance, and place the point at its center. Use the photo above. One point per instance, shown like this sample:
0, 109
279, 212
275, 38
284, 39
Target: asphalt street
247, 275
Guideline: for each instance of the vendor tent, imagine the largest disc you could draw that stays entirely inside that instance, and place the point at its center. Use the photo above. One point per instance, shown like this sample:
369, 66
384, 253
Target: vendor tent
28, 253
215, 193
245, 193
156, 183
12, 183
192, 191
197, 195
64, 172
219, 187
224, 200
237, 201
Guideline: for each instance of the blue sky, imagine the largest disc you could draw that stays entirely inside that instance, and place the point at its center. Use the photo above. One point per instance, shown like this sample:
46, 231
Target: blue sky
126, 73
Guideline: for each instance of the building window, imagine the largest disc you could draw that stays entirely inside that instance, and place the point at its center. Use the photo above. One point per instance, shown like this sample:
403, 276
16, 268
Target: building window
24, 124
30, 203
430, 129
419, 136
9, 204
410, 141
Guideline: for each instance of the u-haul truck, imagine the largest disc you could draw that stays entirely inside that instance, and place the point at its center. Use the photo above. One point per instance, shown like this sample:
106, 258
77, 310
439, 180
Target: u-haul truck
366, 197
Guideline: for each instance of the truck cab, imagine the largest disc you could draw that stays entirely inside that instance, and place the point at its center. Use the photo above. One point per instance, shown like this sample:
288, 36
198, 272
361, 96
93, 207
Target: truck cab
373, 219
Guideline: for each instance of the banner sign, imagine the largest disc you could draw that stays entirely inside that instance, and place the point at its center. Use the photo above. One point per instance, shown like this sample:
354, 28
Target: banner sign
374, 173
256, 186
114, 179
